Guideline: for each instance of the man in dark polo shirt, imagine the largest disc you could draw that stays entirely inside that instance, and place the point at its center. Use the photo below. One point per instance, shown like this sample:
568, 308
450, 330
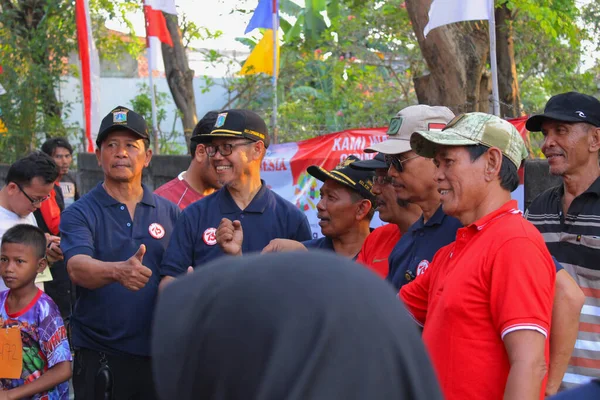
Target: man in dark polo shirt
568, 216
413, 178
113, 240
236, 147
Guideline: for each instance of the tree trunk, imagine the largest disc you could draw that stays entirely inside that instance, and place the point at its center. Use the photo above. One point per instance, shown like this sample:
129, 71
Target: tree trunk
180, 77
508, 84
455, 56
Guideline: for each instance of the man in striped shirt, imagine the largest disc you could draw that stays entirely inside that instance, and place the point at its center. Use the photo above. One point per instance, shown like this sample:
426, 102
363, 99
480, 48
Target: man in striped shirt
568, 216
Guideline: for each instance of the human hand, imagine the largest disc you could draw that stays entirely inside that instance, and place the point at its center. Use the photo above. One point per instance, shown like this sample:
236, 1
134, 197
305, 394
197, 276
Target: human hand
53, 250
283, 245
132, 273
230, 236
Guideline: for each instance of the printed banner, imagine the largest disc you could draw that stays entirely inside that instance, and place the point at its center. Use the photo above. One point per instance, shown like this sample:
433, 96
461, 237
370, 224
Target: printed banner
284, 166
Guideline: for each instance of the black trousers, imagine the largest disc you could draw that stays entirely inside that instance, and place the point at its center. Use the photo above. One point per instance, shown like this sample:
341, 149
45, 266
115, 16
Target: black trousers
131, 376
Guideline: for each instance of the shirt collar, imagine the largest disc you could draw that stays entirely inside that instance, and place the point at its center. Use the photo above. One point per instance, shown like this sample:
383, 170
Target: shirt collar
593, 189
257, 205
107, 200
510, 207
436, 219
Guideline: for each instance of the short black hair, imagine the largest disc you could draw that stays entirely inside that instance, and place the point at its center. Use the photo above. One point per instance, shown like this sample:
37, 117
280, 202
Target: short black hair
51, 144
203, 127
36, 165
509, 177
356, 197
27, 235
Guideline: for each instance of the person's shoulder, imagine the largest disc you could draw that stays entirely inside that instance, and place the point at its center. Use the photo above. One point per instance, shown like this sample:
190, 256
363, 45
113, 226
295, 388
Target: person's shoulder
545, 200
387, 229
167, 186
283, 203
164, 203
47, 305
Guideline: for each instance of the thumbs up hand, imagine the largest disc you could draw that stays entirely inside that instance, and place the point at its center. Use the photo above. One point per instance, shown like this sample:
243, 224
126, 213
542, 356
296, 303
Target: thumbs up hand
230, 236
132, 273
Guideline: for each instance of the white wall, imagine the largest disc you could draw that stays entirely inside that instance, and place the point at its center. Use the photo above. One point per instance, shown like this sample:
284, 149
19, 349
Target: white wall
120, 91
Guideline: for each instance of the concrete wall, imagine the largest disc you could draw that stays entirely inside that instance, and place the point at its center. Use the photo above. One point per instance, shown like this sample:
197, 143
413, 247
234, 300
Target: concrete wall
537, 179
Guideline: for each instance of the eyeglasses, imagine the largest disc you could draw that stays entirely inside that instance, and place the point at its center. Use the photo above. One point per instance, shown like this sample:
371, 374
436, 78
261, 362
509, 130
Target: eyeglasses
223, 149
382, 179
33, 202
397, 162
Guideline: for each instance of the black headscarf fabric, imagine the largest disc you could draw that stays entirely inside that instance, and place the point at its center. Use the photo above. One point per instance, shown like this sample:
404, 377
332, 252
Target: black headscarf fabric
287, 326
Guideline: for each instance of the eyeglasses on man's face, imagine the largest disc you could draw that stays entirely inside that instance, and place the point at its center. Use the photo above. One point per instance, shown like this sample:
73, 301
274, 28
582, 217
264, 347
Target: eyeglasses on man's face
396, 162
34, 202
224, 149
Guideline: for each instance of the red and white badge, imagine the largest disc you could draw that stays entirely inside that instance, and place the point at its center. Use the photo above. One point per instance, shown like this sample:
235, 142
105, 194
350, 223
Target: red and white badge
156, 230
210, 236
422, 267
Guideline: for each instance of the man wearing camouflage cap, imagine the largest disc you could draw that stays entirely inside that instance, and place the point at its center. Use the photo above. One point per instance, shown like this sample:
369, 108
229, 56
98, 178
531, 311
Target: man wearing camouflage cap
486, 299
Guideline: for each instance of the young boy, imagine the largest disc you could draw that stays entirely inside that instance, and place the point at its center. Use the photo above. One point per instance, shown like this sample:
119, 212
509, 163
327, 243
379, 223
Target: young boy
46, 354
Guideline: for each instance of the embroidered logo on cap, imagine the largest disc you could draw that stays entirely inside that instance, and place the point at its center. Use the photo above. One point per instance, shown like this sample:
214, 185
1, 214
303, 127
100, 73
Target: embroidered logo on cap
220, 120
210, 236
120, 117
156, 230
581, 114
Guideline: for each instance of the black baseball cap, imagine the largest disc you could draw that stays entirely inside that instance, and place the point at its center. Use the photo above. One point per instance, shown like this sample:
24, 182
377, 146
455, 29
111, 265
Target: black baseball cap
377, 162
238, 123
567, 107
358, 180
122, 118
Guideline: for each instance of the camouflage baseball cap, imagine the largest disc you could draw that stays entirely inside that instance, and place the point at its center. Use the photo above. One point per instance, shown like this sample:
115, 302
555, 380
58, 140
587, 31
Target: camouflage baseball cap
472, 129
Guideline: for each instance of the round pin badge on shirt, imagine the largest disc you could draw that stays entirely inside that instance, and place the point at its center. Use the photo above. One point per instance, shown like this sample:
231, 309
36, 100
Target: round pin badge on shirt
156, 230
210, 236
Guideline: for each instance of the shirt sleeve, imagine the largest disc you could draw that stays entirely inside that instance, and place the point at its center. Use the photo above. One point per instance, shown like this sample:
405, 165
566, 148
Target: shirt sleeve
303, 232
557, 265
415, 294
522, 287
76, 236
180, 251
53, 336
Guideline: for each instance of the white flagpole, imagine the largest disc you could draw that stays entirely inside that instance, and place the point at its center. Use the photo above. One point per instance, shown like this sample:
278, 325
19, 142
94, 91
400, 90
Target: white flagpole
493, 62
275, 64
151, 67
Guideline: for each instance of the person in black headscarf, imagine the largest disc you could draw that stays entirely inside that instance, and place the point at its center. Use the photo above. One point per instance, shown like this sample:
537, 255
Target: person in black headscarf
287, 326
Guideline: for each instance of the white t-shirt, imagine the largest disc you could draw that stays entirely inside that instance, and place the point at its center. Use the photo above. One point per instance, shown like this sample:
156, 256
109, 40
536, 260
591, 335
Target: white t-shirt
8, 219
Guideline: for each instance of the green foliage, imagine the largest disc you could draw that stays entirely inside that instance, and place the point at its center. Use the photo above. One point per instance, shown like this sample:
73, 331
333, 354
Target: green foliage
142, 104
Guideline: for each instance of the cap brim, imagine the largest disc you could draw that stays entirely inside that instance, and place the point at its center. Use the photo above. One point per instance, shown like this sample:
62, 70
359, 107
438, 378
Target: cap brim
322, 174
102, 135
390, 146
534, 123
425, 143
369, 165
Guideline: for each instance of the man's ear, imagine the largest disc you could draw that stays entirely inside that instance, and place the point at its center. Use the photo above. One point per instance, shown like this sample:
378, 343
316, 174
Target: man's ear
493, 163
364, 207
98, 156
148, 157
42, 264
594, 139
200, 154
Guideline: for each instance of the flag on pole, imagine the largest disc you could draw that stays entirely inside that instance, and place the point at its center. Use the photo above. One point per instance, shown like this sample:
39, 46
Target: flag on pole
444, 12
156, 24
266, 52
90, 72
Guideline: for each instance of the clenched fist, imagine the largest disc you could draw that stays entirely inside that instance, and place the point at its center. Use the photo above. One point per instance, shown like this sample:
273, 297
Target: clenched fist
230, 236
132, 273
283, 245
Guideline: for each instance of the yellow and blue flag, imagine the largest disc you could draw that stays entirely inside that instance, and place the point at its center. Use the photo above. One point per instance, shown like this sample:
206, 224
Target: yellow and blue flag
261, 57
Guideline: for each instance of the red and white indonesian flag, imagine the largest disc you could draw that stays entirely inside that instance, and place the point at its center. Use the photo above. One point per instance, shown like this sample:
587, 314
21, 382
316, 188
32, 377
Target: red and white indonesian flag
444, 12
90, 72
156, 28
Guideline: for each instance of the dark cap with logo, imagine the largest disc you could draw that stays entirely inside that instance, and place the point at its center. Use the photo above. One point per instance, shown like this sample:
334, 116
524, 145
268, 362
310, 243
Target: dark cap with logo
356, 179
238, 124
377, 162
567, 107
122, 118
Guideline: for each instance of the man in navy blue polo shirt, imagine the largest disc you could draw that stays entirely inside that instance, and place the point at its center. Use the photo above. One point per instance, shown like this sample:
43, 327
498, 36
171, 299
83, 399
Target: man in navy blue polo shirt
413, 179
236, 147
345, 210
113, 240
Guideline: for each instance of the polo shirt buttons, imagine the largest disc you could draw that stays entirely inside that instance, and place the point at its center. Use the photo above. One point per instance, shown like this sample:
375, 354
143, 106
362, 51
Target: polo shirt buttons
129, 224
241, 215
122, 208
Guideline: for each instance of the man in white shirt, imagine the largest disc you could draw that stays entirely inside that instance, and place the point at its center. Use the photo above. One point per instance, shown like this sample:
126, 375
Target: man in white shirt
29, 182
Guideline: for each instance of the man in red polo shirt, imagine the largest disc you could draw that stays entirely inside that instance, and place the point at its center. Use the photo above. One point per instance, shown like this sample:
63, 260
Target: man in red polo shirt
486, 299
200, 179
